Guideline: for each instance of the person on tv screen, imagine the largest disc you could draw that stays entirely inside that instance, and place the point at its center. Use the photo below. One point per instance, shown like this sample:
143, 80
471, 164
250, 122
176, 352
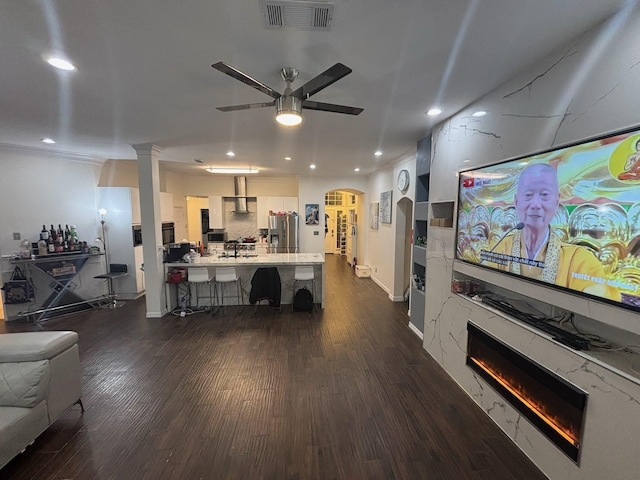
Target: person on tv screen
533, 250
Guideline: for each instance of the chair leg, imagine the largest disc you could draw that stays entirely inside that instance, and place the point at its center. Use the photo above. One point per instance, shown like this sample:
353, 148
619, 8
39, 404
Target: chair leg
241, 295
79, 402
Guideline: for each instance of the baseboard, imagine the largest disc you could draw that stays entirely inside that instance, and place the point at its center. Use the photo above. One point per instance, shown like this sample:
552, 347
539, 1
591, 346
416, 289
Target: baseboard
415, 330
396, 298
380, 284
155, 314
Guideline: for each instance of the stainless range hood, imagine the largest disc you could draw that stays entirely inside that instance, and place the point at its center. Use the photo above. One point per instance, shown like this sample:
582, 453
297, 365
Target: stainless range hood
240, 187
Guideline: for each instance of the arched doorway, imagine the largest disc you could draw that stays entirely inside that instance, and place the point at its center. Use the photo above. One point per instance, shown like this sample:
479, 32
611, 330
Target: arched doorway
402, 260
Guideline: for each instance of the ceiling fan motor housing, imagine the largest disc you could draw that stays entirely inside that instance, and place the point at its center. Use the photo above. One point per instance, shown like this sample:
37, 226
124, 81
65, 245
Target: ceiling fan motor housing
288, 104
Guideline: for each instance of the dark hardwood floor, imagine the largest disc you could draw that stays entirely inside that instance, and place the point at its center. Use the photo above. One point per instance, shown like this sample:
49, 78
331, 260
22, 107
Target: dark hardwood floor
346, 393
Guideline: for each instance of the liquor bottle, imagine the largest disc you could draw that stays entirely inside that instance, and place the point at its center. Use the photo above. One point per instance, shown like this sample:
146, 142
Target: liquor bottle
52, 233
59, 239
51, 247
44, 234
67, 233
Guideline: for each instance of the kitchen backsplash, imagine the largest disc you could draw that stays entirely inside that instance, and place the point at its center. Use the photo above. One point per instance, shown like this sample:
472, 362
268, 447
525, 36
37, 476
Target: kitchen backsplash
240, 224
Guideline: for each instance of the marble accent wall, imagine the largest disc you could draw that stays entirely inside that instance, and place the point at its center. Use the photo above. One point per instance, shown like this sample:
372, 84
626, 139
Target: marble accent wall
240, 224
587, 88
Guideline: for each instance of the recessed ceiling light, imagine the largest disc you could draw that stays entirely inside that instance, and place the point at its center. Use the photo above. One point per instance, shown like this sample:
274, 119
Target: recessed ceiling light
466, 161
287, 158
48, 140
479, 113
434, 111
378, 153
312, 166
232, 170
61, 63
356, 169
230, 154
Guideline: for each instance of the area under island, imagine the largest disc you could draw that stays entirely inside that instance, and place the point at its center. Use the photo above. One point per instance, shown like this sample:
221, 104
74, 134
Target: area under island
246, 266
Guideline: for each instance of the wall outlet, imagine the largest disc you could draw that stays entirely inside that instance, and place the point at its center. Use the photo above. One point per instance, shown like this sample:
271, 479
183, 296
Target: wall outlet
16, 236
316, 232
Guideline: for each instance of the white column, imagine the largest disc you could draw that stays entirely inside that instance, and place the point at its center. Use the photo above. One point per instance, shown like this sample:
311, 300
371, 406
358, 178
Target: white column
149, 183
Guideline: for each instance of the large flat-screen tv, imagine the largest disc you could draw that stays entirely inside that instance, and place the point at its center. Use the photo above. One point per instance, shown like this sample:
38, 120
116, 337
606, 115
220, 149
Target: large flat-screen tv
567, 218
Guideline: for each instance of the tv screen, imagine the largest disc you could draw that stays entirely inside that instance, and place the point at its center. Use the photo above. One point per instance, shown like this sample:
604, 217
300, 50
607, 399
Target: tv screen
568, 217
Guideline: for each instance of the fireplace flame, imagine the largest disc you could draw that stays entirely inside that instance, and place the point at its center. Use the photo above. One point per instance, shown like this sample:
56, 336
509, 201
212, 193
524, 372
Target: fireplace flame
566, 433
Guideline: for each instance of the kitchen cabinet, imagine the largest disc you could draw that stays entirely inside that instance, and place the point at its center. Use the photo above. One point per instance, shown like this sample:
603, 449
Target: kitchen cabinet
274, 204
166, 206
134, 196
216, 212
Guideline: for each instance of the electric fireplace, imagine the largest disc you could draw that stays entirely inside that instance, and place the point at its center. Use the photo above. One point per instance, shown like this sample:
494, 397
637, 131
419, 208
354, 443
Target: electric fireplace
550, 403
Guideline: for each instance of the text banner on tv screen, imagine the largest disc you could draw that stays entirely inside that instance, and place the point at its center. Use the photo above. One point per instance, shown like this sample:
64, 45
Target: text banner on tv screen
569, 217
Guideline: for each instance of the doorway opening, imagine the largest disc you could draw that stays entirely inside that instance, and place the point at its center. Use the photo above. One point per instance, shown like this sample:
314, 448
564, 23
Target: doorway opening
402, 260
342, 217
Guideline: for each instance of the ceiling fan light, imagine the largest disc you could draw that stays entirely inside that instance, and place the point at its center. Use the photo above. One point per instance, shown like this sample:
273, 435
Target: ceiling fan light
288, 111
289, 119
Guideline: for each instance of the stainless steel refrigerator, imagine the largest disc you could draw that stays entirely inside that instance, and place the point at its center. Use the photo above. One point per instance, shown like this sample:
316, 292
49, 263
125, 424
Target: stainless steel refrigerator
283, 233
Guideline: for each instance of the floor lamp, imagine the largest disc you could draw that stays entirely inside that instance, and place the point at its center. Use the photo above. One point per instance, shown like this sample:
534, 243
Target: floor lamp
103, 239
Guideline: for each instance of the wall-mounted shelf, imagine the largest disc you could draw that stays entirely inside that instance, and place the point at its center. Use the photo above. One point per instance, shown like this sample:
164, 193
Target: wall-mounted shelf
441, 214
420, 225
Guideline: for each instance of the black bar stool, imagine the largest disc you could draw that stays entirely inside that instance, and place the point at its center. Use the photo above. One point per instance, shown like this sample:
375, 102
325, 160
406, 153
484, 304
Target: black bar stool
116, 270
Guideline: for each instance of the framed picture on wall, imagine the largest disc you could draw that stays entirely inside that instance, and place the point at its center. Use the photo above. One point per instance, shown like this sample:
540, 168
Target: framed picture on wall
374, 210
385, 207
312, 214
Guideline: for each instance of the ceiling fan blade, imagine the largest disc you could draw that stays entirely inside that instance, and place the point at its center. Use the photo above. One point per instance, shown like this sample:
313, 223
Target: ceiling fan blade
331, 107
244, 78
246, 106
326, 78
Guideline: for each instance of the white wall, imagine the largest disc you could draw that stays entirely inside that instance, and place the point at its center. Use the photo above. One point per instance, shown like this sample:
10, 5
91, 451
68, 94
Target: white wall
39, 188
585, 89
311, 190
384, 240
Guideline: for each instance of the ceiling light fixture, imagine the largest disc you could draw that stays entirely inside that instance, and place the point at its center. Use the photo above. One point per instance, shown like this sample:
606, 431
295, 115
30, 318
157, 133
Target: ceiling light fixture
479, 113
434, 111
230, 154
287, 158
288, 111
312, 166
48, 140
356, 169
232, 170
61, 63
378, 153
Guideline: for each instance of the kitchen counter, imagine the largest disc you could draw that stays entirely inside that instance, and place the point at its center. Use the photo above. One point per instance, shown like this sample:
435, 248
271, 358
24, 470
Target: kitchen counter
268, 260
246, 264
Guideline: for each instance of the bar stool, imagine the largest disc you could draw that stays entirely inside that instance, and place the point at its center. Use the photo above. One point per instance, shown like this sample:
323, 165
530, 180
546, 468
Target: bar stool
199, 275
116, 270
227, 275
304, 273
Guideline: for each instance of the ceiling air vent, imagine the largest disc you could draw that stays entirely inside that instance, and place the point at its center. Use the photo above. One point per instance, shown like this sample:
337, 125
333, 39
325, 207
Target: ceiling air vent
301, 15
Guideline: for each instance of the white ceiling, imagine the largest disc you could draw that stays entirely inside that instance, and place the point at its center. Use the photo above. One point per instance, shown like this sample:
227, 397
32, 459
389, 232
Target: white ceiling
144, 75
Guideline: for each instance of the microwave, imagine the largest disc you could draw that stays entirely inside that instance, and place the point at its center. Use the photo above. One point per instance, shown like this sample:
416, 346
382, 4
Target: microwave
137, 235
213, 237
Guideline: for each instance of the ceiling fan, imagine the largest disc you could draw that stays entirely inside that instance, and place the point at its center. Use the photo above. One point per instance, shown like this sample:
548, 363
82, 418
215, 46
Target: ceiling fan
290, 103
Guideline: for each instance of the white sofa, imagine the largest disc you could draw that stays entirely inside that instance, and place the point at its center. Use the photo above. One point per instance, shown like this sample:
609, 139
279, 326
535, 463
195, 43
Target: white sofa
39, 380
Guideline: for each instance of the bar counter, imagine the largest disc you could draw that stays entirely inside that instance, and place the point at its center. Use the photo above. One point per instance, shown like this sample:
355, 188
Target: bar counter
247, 264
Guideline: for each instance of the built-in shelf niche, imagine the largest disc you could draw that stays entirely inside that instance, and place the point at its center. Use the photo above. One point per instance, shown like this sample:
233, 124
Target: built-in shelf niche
441, 214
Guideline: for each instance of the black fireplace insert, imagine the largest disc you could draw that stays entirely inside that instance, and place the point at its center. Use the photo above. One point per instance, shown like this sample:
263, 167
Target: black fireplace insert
555, 406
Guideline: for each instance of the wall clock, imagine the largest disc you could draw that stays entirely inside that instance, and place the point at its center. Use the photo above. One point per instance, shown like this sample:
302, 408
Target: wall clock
403, 180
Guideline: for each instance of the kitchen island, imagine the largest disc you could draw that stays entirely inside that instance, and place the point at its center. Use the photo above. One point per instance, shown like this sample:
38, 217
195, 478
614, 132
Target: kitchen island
246, 265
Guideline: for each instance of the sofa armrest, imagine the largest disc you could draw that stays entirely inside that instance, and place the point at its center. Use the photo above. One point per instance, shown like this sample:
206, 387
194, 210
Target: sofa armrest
24, 384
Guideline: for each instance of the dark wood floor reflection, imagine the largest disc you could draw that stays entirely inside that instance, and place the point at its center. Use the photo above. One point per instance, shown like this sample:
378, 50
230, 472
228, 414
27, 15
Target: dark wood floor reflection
347, 393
